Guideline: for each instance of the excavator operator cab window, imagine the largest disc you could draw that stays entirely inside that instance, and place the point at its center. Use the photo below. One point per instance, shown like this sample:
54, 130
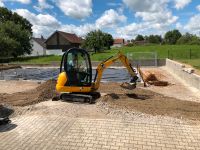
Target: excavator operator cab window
77, 65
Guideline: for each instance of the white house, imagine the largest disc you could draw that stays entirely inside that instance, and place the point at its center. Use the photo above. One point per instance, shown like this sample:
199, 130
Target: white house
38, 46
56, 44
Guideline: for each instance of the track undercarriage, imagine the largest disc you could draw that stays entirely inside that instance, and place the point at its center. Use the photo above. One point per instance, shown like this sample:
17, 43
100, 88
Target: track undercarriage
80, 97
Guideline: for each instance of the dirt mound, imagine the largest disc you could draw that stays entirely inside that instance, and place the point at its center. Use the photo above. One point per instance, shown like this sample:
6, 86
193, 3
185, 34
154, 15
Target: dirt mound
43, 92
149, 102
153, 78
7, 67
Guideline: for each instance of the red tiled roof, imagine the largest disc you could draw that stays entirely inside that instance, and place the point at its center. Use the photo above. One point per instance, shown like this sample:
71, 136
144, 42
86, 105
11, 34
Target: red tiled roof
118, 41
73, 38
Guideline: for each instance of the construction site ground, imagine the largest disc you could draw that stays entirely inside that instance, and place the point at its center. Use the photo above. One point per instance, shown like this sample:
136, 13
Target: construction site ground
144, 118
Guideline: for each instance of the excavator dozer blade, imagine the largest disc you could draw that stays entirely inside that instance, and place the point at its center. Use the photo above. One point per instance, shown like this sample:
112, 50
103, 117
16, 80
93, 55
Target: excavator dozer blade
129, 86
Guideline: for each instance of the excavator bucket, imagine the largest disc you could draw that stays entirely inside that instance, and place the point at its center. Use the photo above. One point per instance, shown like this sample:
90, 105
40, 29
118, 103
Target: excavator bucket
129, 86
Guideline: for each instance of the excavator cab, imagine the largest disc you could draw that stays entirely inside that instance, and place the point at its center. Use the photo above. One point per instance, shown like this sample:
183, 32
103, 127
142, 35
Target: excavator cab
77, 65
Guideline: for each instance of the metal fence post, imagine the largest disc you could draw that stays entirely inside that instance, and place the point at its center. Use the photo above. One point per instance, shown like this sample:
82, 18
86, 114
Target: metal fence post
168, 54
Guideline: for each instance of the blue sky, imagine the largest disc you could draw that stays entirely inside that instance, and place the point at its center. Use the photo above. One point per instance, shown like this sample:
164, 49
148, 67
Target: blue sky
121, 18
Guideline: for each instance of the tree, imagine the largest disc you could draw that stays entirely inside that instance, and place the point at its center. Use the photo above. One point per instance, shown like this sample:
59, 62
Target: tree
171, 37
108, 40
139, 38
157, 39
7, 15
97, 40
188, 39
15, 34
146, 38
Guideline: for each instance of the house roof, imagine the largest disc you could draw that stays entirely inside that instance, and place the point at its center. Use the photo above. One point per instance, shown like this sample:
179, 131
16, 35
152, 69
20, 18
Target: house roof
118, 41
40, 41
73, 38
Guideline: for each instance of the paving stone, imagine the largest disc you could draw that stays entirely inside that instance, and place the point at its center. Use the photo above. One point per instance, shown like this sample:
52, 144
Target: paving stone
53, 132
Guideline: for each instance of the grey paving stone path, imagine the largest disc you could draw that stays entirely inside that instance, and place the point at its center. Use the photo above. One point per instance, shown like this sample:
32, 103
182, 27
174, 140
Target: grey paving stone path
56, 132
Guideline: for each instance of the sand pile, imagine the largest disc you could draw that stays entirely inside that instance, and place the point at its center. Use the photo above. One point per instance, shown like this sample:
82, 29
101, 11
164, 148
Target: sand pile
43, 92
153, 78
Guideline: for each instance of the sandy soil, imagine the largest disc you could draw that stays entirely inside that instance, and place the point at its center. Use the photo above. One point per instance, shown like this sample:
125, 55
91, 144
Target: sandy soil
175, 89
148, 102
41, 93
174, 101
10, 87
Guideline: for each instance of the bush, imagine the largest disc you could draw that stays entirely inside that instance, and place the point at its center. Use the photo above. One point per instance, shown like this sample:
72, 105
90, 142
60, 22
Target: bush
130, 45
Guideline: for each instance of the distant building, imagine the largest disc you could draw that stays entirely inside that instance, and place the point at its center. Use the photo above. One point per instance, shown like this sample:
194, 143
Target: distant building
118, 42
60, 41
144, 42
38, 46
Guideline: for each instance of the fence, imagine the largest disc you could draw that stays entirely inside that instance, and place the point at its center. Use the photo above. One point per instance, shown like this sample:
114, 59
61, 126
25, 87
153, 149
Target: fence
143, 58
183, 54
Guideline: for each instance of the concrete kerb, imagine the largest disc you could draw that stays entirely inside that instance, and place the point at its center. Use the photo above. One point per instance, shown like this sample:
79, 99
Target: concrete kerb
179, 69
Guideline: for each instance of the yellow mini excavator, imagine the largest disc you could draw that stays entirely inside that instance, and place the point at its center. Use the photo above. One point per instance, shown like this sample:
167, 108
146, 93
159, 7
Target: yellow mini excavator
75, 79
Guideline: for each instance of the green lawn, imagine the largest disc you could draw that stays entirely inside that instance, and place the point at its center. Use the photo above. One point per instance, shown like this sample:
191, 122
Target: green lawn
163, 51
193, 62
177, 52
39, 60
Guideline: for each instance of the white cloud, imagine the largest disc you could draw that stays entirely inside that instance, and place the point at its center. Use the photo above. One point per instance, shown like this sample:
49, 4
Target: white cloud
78, 9
179, 25
45, 24
145, 28
1, 3
193, 24
21, 1
198, 7
158, 17
42, 4
81, 30
110, 19
42, 23
154, 11
180, 4
155, 16
145, 5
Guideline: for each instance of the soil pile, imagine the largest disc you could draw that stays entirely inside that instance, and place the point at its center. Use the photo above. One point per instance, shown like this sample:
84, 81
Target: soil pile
147, 102
43, 92
153, 78
7, 67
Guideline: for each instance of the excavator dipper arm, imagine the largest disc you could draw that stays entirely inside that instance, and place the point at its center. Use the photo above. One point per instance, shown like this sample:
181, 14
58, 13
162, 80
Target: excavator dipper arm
105, 64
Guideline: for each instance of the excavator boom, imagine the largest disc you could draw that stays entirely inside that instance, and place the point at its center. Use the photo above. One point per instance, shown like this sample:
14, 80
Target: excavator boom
105, 64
